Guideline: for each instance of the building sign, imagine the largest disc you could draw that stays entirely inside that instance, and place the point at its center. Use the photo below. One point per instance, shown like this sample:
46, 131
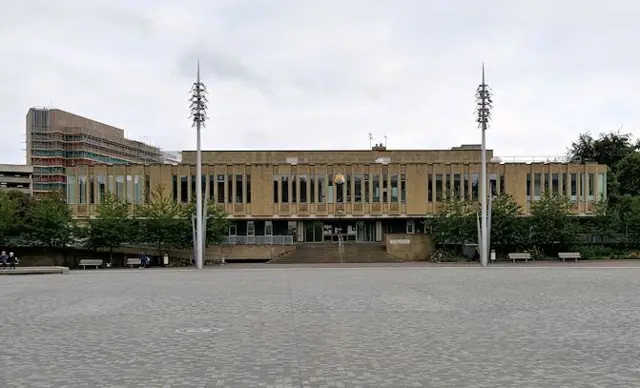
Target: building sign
400, 241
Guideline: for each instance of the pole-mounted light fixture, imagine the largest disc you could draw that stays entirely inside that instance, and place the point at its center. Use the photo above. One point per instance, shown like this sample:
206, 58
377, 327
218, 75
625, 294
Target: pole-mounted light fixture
484, 104
199, 116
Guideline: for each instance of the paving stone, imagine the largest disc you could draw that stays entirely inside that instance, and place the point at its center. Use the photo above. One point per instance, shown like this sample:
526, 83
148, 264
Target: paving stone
322, 327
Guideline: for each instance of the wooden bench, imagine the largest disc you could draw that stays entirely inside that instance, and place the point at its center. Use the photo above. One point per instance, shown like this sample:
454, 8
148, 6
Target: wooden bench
90, 262
520, 256
569, 255
131, 261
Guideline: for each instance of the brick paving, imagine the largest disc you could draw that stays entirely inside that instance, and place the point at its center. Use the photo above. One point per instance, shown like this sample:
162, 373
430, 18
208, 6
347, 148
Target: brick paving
365, 326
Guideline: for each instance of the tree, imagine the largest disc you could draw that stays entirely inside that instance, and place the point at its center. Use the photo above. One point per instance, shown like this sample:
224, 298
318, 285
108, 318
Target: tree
455, 224
551, 226
8, 217
506, 224
112, 227
49, 225
217, 224
627, 173
161, 221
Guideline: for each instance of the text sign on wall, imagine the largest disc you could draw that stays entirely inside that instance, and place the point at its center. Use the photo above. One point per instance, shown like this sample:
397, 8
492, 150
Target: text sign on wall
400, 241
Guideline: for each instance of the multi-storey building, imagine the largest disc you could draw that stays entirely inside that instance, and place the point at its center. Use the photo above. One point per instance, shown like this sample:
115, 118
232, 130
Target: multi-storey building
317, 195
57, 139
16, 177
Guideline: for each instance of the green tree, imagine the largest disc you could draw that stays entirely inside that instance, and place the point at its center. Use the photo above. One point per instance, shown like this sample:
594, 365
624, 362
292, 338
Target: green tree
8, 217
112, 227
160, 222
551, 226
455, 225
506, 224
627, 173
217, 224
50, 225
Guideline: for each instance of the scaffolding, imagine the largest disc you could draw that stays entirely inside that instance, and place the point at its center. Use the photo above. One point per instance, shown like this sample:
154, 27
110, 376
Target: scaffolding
55, 143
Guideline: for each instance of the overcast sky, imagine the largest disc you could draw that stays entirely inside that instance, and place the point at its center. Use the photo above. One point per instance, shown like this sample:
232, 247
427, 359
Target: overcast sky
302, 74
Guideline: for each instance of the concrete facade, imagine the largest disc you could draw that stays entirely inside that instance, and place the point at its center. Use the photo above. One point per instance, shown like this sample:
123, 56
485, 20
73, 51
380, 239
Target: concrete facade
312, 194
57, 139
16, 177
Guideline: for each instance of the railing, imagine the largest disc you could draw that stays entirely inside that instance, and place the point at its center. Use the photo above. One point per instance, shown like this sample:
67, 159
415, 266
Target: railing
533, 159
258, 240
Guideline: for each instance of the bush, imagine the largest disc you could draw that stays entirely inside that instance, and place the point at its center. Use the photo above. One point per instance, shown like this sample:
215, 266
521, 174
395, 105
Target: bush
598, 252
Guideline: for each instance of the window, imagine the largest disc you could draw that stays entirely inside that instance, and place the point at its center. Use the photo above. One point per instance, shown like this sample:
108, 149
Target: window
439, 185
220, 188
376, 188
348, 189
403, 188
456, 185
212, 185
276, 180
268, 228
312, 188
555, 184
239, 190
574, 187
82, 189
102, 188
174, 192
120, 187
233, 229
493, 184
137, 190
537, 186
92, 190
411, 226
303, 188
528, 189
111, 184
429, 188
184, 189
501, 183
366, 188
591, 187
357, 188
321, 194
284, 198
394, 188
465, 185
229, 188
248, 188
147, 189
294, 189
475, 181
339, 192
330, 197
71, 190
129, 189
602, 186
385, 194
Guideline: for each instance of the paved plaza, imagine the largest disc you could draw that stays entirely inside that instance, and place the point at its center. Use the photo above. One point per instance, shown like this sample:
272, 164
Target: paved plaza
272, 326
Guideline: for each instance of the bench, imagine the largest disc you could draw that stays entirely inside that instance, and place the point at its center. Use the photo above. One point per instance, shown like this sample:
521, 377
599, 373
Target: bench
569, 255
131, 261
520, 256
90, 262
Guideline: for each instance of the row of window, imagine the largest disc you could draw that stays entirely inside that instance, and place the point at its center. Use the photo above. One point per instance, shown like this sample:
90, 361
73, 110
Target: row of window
133, 189
574, 185
365, 188
81, 154
240, 191
461, 185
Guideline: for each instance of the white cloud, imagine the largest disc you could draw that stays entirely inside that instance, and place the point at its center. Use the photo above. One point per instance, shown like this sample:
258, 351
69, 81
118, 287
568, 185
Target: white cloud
290, 74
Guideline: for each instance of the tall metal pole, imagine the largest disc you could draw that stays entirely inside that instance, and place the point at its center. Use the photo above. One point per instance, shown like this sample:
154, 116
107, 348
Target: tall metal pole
484, 105
198, 113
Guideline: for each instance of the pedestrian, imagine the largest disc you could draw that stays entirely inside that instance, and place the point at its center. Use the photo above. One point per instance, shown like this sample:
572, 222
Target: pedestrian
13, 260
3, 259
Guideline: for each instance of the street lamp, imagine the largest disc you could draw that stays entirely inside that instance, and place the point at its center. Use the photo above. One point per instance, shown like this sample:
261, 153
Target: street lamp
199, 115
483, 111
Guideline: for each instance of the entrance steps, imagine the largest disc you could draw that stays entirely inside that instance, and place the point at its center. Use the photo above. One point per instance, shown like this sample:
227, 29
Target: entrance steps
328, 252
